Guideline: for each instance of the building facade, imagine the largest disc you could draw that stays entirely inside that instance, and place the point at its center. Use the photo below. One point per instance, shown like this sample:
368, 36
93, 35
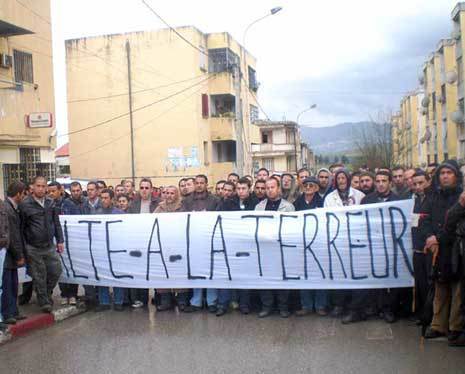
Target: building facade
193, 106
27, 128
280, 148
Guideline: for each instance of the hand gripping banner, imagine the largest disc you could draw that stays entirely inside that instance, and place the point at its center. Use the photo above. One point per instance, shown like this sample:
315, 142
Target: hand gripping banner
366, 246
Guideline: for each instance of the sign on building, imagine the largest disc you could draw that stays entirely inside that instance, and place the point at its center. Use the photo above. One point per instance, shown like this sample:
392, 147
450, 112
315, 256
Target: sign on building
37, 120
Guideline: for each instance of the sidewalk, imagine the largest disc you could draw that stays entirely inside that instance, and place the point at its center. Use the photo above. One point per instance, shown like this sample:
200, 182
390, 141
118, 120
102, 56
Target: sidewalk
37, 320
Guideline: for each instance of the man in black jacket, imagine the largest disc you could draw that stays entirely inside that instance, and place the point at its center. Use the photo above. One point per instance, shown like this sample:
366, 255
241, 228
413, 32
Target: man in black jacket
242, 200
421, 260
446, 189
363, 302
15, 256
40, 225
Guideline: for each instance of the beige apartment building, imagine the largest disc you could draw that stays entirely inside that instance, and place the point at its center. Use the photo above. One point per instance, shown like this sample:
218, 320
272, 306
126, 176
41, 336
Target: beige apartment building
280, 148
27, 128
193, 106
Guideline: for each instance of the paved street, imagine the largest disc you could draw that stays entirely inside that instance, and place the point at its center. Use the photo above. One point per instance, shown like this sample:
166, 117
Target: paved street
140, 342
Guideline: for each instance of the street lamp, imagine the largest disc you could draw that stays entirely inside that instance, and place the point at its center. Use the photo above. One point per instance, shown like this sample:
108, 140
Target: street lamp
272, 12
313, 106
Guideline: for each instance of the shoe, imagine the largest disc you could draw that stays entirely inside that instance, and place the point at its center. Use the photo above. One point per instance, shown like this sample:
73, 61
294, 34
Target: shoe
181, 307
64, 301
244, 309
137, 304
72, 301
284, 313
164, 307
10, 321
234, 305
102, 307
322, 312
47, 308
220, 312
303, 312
453, 335
389, 317
371, 312
20, 317
192, 309
118, 307
459, 341
352, 317
264, 313
337, 312
433, 334
212, 309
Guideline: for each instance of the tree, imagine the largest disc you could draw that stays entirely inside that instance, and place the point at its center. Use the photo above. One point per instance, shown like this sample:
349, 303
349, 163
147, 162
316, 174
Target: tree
336, 159
344, 159
375, 144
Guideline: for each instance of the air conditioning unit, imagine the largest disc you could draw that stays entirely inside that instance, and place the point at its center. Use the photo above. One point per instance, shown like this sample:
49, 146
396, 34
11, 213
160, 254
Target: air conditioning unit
6, 61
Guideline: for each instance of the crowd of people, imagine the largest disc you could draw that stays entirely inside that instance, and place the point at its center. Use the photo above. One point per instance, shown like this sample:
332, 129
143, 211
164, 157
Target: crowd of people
31, 233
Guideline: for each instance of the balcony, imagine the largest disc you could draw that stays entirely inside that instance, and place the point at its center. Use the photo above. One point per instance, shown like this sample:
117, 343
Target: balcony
270, 149
8, 29
222, 128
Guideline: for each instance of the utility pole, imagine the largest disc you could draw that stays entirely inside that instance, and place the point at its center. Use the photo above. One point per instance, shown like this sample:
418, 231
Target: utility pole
238, 124
131, 125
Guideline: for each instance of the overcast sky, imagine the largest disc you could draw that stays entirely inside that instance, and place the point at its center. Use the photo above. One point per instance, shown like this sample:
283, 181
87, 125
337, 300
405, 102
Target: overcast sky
351, 58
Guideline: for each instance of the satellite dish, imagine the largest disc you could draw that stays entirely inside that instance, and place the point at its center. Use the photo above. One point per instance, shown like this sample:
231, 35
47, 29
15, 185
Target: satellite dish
457, 117
451, 77
425, 102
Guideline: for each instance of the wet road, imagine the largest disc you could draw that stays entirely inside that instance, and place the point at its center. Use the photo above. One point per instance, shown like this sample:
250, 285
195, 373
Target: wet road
145, 342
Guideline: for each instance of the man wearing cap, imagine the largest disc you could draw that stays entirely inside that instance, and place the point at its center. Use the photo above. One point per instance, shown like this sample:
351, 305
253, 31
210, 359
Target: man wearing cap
446, 189
311, 299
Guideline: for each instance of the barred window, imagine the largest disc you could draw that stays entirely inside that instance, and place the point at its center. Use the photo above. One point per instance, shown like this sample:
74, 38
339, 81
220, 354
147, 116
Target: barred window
253, 113
24, 71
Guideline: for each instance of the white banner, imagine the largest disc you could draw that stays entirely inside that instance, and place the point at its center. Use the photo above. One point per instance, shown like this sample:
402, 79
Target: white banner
366, 246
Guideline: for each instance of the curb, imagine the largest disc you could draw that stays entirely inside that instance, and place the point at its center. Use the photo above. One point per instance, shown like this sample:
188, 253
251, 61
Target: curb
39, 321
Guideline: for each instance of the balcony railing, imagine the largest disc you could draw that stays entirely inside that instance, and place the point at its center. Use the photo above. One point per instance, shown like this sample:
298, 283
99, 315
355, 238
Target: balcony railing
262, 148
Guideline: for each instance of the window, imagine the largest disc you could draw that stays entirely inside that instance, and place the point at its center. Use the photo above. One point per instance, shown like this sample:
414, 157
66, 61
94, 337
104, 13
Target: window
268, 163
206, 161
221, 60
267, 137
290, 163
205, 109
459, 70
253, 84
290, 136
224, 151
253, 114
23, 66
223, 105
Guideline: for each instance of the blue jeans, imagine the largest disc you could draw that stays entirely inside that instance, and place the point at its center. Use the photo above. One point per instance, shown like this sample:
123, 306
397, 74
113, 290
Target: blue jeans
104, 295
197, 297
8, 299
317, 299
2, 260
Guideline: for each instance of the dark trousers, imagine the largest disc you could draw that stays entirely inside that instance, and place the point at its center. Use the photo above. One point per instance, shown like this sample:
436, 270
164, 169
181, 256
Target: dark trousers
27, 292
139, 294
339, 297
362, 299
267, 298
396, 300
422, 270
68, 290
10, 293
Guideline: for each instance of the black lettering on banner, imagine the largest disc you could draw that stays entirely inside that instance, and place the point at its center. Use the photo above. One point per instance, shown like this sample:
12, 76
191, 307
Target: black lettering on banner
308, 248
370, 246
353, 246
89, 233
257, 243
69, 255
159, 252
331, 243
213, 250
397, 240
188, 229
109, 251
282, 246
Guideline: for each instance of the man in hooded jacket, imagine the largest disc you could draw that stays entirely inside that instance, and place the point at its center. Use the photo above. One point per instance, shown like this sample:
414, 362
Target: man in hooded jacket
446, 189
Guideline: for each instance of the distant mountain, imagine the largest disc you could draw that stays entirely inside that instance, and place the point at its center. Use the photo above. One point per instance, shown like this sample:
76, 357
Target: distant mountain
338, 139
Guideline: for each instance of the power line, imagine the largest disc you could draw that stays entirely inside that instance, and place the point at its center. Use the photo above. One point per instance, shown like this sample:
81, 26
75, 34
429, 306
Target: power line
134, 92
33, 12
137, 109
141, 126
173, 29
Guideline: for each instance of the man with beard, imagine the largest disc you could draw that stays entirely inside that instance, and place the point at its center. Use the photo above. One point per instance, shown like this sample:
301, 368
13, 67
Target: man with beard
367, 182
324, 179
